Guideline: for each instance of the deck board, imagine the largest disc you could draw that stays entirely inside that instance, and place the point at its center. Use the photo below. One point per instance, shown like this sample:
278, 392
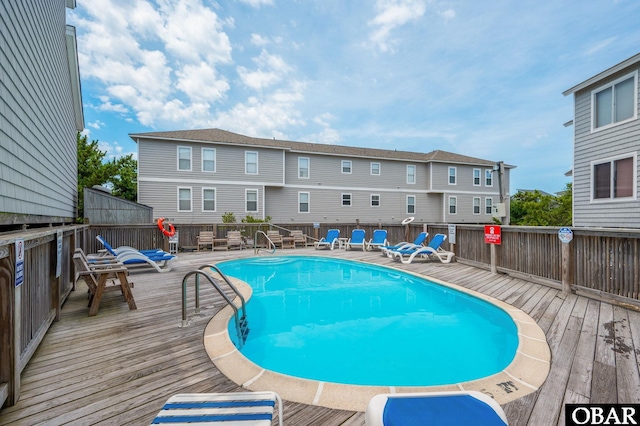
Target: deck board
120, 366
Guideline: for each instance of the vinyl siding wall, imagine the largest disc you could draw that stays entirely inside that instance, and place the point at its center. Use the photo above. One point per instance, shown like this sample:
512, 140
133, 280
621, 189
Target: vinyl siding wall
601, 145
38, 156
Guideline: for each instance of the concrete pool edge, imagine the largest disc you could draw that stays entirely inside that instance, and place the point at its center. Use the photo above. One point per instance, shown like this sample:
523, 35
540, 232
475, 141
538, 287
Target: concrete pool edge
524, 375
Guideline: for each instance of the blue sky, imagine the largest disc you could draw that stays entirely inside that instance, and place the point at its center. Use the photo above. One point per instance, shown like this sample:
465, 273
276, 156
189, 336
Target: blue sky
483, 79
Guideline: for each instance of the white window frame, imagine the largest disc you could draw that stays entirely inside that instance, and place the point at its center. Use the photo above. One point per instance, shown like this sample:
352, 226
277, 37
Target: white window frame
371, 200
190, 189
215, 193
348, 164
371, 169
488, 177
611, 160
454, 175
308, 194
408, 204
488, 205
214, 160
479, 177
595, 92
343, 199
476, 204
301, 168
179, 148
247, 162
246, 200
454, 205
411, 176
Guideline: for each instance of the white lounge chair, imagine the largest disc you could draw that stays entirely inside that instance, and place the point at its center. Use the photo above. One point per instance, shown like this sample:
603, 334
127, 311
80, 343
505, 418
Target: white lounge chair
159, 260
356, 240
420, 239
240, 408
433, 249
330, 241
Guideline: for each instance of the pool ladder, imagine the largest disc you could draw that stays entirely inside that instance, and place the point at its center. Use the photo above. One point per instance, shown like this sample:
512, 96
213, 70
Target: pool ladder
241, 322
270, 244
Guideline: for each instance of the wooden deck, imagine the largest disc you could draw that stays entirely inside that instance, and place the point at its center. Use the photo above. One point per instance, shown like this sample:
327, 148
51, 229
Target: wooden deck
120, 366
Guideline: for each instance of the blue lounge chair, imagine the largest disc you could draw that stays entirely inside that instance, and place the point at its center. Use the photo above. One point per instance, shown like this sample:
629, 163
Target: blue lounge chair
433, 249
250, 408
420, 239
434, 408
157, 259
378, 240
356, 240
330, 241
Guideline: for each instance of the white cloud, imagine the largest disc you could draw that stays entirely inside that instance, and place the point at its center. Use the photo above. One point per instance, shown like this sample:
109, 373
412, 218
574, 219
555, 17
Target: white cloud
448, 14
258, 3
258, 40
200, 83
392, 14
271, 70
96, 124
601, 45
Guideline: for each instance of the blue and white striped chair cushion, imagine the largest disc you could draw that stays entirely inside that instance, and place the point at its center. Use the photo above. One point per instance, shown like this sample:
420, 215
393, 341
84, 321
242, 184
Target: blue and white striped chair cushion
241, 408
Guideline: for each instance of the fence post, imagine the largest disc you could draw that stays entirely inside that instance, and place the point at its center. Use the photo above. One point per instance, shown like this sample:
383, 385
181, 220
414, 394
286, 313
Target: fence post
567, 268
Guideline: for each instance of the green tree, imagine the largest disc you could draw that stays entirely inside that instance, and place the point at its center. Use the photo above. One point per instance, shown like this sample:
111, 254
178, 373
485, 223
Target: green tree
119, 174
538, 209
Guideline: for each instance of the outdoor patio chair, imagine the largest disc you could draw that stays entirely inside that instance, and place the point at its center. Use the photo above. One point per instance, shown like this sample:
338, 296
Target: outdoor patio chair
356, 240
330, 241
275, 238
433, 249
239, 408
299, 239
378, 240
234, 240
204, 238
159, 260
420, 239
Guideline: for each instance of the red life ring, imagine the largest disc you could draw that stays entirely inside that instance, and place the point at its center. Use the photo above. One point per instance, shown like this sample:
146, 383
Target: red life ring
172, 230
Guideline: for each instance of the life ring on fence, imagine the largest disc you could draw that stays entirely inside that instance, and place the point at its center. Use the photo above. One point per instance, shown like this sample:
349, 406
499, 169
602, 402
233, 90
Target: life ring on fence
408, 220
172, 230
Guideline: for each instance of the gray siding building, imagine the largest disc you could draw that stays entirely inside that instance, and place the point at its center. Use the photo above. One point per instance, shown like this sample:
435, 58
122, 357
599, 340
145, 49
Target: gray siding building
606, 144
196, 176
40, 113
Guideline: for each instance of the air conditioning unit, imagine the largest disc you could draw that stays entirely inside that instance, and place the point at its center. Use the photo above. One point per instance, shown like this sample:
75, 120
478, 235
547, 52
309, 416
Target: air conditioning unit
499, 210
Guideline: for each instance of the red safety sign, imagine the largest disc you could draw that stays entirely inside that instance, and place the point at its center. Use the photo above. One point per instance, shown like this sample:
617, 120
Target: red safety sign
492, 234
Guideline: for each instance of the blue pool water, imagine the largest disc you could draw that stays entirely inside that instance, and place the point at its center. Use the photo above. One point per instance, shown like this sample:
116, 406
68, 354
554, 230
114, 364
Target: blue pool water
347, 322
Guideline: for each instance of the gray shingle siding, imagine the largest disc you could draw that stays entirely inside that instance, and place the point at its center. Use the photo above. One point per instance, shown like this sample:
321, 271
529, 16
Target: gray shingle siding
38, 157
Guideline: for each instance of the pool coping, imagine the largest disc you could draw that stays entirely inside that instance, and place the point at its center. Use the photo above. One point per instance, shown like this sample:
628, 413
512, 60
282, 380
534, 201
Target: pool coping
524, 375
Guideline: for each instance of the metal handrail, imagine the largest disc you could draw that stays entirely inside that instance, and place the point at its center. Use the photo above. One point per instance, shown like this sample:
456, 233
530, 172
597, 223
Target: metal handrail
257, 249
226, 280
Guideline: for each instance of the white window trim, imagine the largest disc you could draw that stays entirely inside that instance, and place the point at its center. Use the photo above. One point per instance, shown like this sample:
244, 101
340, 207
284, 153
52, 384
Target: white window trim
455, 205
308, 168
490, 199
190, 198
215, 202
379, 169
485, 177
371, 201
455, 175
342, 199
606, 86
406, 204
350, 167
473, 206
246, 200
246, 162
473, 177
178, 158
215, 159
633, 155
415, 173
308, 202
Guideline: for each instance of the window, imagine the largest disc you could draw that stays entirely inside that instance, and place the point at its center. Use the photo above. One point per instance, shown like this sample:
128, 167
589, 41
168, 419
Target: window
476, 177
375, 169
375, 200
411, 204
453, 201
614, 178
251, 197
184, 199
303, 202
208, 159
452, 175
251, 163
476, 205
488, 177
488, 206
303, 167
411, 174
346, 166
615, 103
346, 199
184, 158
208, 199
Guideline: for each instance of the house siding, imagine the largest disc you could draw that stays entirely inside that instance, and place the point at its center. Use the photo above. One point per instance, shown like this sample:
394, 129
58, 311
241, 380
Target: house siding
601, 145
38, 155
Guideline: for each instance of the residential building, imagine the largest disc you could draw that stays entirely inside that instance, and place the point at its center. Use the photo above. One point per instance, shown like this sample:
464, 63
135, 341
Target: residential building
196, 176
606, 143
40, 114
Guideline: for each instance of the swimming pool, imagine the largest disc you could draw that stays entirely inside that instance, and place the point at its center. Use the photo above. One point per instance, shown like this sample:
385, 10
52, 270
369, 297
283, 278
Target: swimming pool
347, 322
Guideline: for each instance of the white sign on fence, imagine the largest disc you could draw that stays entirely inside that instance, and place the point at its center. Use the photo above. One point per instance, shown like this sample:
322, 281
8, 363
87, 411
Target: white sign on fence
19, 261
565, 235
452, 234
